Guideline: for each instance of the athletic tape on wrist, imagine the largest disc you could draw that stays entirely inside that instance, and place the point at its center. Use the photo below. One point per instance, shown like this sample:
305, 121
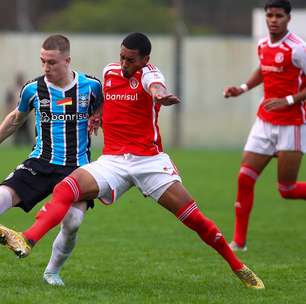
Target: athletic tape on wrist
290, 100
244, 87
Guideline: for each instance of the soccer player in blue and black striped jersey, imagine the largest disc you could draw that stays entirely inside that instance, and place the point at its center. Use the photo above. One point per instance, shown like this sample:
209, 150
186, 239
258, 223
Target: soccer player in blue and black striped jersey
64, 101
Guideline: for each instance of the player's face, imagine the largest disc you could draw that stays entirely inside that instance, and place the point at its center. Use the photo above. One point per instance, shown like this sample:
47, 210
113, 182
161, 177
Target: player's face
131, 61
55, 65
277, 22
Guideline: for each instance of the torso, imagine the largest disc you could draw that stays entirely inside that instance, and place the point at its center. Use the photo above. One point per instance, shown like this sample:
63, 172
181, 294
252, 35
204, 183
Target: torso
283, 75
130, 115
61, 118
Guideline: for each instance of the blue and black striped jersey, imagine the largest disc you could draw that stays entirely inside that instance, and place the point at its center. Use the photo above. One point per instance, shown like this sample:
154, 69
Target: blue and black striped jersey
61, 118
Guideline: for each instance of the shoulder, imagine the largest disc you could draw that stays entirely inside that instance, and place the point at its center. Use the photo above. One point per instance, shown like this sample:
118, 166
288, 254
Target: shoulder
92, 79
151, 74
297, 45
115, 66
149, 68
294, 39
262, 42
295, 42
30, 86
88, 80
151, 71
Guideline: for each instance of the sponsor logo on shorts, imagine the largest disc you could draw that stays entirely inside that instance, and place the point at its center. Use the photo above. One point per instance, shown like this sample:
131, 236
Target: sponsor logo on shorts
170, 170
23, 167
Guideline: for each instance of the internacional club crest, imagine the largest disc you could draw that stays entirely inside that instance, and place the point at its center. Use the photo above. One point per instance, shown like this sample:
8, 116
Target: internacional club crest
134, 83
279, 57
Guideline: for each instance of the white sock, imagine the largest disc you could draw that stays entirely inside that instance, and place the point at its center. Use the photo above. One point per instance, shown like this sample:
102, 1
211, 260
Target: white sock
65, 240
6, 200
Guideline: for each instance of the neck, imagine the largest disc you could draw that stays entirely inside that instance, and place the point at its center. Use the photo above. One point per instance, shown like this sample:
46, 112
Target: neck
62, 83
277, 37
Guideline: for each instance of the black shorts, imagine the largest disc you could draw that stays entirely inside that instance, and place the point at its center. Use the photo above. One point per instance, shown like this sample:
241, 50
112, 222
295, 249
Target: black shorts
35, 179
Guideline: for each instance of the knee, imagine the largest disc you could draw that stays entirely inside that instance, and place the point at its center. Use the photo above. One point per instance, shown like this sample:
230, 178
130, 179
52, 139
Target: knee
72, 220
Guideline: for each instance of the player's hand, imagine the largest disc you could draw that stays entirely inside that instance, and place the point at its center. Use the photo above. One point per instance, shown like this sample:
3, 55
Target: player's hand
94, 122
167, 100
275, 104
232, 92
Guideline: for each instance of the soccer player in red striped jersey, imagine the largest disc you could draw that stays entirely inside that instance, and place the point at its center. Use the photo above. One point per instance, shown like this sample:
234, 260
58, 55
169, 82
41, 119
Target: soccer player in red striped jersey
280, 129
134, 92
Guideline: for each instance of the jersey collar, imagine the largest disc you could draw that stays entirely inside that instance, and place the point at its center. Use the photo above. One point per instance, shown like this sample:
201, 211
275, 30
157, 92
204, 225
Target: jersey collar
67, 87
279, 42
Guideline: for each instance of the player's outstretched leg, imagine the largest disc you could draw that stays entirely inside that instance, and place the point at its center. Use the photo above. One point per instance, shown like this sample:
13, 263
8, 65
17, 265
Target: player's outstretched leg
15, 241
177, 200
63, 246
192, 217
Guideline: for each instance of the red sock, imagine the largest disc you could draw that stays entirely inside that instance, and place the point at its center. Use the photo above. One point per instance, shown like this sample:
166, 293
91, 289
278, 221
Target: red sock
193, 218
292, 190
244, 203
51, 214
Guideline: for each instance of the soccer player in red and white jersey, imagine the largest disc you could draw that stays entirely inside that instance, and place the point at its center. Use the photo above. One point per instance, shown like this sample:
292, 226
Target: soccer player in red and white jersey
279, 129
134, 92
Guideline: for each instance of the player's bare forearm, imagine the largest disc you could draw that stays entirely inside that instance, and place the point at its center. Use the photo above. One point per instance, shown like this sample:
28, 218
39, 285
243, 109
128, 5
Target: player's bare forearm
10, 124
278, 103
162, 96
254, 80
300, 96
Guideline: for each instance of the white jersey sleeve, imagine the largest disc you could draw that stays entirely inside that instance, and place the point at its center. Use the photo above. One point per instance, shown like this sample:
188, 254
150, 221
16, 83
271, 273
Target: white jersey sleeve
299, 57
151, 74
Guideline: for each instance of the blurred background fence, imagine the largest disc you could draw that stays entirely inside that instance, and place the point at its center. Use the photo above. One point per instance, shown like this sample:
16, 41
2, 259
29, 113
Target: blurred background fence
208, 65
214, 53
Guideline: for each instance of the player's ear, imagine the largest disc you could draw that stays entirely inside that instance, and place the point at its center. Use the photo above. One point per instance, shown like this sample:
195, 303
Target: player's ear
146, 59
68, 60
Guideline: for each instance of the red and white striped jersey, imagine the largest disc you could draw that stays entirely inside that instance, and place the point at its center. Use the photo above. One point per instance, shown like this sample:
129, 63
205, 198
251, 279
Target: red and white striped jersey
130, 115
283, 68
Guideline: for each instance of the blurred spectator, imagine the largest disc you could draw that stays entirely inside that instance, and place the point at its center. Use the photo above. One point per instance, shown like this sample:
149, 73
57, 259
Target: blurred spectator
23, 135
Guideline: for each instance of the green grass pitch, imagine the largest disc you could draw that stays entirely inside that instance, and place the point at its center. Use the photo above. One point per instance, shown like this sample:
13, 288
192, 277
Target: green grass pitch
136, 252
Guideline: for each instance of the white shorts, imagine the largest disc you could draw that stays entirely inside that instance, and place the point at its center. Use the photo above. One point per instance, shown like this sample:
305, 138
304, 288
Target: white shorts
268, 139
153, 175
